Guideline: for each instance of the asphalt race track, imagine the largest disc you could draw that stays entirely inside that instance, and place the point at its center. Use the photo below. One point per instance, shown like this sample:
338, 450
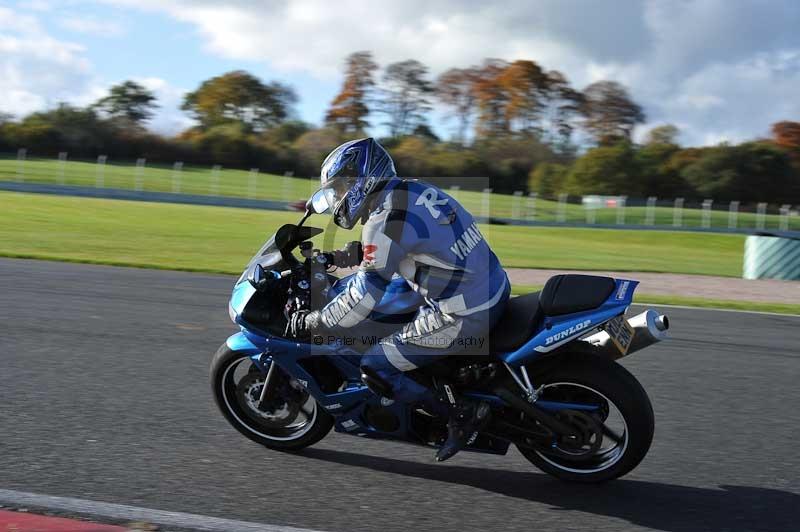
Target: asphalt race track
104, 396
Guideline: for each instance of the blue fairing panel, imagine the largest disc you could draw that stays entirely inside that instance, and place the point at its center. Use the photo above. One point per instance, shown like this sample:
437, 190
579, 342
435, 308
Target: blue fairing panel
557, 331
241, 295
246, 343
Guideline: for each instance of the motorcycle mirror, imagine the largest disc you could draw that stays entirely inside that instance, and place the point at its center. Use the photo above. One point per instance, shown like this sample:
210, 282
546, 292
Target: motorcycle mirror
318, 203
257, 277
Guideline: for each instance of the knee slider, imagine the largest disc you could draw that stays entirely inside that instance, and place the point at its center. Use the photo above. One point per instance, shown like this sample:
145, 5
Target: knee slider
376, 383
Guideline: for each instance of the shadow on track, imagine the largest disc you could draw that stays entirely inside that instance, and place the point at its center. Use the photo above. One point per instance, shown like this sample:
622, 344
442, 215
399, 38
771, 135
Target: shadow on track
667, 507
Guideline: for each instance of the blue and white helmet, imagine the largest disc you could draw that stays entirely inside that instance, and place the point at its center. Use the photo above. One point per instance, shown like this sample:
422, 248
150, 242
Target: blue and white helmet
350, 174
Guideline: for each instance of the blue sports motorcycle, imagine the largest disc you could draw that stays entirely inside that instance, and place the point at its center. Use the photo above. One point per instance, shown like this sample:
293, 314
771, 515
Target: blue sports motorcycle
551, 378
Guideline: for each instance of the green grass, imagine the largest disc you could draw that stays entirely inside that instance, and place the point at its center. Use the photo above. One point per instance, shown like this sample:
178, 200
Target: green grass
780, 308
221, 240
727, 304
239, 183
159, 178
218, 239
620, 250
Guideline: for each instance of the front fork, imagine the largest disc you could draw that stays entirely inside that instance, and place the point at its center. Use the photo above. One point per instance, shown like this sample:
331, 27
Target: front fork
269, 386
266, 364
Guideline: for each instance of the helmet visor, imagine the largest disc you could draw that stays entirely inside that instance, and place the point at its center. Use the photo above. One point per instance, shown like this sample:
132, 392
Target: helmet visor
335, 190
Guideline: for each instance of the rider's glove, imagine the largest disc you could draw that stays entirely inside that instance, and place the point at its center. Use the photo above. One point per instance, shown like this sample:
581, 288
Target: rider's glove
303, 323
351, 255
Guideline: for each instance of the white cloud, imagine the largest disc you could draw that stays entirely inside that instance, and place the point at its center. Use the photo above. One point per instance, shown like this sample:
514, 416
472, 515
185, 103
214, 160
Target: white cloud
739, 100
37, 70
719, 70
92, 26
169, 119
36, 5
722, 70
315, 35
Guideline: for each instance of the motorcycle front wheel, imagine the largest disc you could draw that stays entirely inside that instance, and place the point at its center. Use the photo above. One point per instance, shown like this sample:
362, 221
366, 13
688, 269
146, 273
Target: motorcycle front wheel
289, 419
614, 438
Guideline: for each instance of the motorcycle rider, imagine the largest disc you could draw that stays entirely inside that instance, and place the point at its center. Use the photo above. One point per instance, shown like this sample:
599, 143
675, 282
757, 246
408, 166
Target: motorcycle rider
415, 230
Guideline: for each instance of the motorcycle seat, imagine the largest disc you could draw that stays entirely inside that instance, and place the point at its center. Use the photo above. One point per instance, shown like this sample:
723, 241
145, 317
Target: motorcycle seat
562, 294
518, 323
570, 293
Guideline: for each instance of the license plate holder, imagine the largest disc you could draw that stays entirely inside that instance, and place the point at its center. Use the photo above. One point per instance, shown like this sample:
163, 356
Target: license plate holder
621, 333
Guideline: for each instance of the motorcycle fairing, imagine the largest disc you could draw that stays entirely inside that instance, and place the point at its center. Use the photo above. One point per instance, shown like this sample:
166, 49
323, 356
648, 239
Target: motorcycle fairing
556, 331
350, 403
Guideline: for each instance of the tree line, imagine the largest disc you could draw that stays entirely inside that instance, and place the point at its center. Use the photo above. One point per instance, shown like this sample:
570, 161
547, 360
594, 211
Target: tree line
515, 122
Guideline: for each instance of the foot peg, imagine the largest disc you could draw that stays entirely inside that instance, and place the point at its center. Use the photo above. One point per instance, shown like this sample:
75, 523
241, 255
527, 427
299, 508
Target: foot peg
463, 428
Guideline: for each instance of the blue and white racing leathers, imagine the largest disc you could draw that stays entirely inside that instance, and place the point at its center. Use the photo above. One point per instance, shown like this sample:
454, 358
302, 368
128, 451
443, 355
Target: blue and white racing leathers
422, 234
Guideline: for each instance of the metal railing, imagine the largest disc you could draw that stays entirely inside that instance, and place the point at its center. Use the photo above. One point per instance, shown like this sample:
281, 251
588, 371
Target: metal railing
252, 184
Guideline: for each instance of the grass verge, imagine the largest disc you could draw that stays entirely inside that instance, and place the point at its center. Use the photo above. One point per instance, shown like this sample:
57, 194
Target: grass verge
723, 304
221, 240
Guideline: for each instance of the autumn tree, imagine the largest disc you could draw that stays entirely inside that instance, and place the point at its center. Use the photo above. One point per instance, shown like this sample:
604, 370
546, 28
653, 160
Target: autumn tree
752, 171
491, 98
786, 134
610, 113
65, 127
405, 96
666, 134
129, 101
563, 105
607, 170
522, 97
658, 174
312, 147
239, 97
455, 89
525, 90
349, 109
547, 179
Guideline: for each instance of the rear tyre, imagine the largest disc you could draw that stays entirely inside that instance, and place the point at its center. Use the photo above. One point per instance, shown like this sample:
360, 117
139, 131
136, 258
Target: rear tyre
619, 433
290, 421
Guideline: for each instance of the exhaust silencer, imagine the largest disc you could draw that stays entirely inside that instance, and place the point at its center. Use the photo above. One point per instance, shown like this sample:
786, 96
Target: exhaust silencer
650, 327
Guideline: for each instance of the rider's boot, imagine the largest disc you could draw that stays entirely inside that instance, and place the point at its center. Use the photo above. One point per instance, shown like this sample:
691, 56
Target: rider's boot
467, 418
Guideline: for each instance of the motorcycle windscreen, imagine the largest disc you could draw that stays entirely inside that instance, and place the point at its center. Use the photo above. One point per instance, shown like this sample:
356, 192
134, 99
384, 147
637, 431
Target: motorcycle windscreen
268, 256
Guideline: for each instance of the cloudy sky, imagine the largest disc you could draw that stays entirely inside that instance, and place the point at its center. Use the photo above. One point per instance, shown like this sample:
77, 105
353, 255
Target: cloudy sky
718, 69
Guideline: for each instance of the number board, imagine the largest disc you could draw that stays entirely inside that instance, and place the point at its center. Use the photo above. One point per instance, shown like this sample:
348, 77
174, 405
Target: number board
621, 333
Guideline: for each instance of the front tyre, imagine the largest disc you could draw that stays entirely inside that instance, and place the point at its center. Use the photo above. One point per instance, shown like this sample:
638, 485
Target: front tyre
617, 435
289, 420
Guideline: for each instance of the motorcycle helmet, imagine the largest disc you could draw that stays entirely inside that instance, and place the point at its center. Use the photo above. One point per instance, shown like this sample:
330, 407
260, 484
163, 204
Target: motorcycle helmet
350, 174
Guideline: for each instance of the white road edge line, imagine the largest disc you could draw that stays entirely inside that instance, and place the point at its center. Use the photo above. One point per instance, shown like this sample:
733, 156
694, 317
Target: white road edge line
124, 512
713, 309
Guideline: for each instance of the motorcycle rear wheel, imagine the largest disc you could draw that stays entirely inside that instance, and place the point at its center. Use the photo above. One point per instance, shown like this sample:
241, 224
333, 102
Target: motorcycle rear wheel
622, 396
292, 422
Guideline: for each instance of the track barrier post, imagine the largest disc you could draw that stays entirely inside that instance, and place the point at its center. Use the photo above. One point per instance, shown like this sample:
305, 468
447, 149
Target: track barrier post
177, 170
21, 155
515, 205
62, 161
100, 171
561, 215
650, 213
532, 206
677, 213
138, 174
733, 214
